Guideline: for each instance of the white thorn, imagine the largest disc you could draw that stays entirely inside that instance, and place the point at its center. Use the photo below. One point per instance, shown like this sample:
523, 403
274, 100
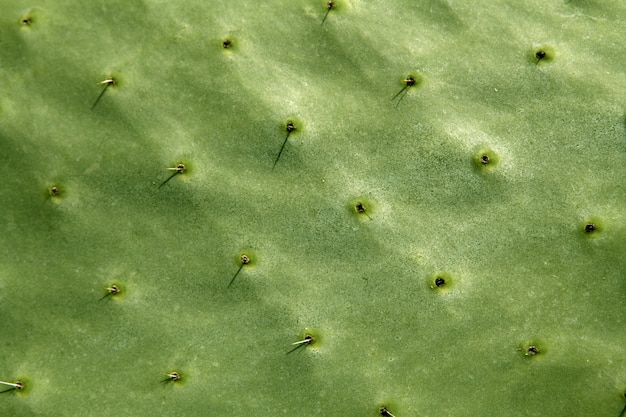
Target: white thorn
18, 384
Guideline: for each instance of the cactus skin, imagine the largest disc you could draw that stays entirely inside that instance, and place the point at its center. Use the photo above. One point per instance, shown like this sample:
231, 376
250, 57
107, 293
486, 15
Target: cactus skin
510, 236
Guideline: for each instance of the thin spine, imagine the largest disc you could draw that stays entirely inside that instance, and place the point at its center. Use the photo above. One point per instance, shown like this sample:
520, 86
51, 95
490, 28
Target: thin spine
245, 259
179, 169
329, 6
18, 385
409, 82
109, 81
385, 412
235, 276
290, 128
111, 291
308, 339
171, 377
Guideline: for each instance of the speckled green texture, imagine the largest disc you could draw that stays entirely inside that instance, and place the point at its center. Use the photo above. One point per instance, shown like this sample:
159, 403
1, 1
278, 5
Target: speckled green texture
509, 236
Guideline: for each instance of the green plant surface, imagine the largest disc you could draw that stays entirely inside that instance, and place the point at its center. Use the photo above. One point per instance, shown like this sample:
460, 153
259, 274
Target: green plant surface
499, 170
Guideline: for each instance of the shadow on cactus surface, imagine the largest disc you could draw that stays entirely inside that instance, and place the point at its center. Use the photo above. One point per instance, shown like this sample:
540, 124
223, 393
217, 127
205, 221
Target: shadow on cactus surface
456, 250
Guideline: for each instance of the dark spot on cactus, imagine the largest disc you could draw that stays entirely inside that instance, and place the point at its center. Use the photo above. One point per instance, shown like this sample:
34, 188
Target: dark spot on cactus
55, 192
361, 208
542, 54
28, 19
532, 351
486, 159
229, 44
441, 282
592, 227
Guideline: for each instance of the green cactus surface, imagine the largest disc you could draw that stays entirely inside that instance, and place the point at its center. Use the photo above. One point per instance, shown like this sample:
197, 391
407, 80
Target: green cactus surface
313, 208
